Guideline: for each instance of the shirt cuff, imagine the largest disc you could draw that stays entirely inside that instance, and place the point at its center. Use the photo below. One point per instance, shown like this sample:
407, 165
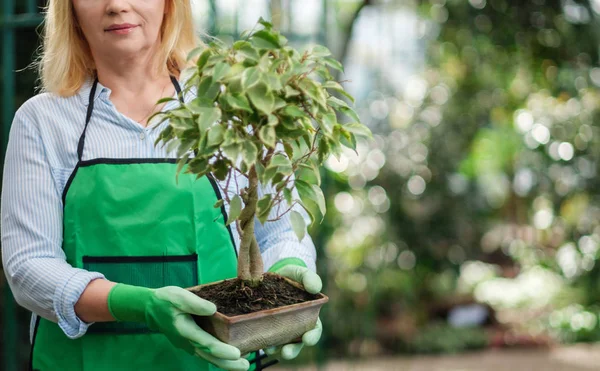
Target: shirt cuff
66, 296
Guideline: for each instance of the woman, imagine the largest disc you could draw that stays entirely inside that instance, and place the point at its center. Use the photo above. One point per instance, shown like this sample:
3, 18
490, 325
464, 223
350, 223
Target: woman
98, 239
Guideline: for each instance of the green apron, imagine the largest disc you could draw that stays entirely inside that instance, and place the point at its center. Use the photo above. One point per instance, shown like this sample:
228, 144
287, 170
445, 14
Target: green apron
130, 220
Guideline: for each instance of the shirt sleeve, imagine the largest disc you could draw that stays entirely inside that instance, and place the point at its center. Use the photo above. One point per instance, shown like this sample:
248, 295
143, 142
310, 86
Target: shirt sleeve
32, 215
277, 239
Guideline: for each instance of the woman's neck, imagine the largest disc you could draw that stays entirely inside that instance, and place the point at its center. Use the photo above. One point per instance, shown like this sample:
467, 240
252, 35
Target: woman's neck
135, 87
129, 76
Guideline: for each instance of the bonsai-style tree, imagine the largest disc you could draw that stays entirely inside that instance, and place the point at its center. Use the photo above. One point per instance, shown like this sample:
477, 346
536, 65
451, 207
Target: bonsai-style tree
265, 111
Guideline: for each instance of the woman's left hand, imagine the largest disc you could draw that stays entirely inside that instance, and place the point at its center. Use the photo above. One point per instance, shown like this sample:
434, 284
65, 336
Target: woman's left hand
293, 269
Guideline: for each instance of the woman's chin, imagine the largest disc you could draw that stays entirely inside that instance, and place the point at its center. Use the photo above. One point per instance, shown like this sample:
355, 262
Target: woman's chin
125, 52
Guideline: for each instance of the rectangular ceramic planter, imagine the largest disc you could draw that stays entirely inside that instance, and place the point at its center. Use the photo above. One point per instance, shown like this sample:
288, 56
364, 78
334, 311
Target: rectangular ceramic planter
259, 330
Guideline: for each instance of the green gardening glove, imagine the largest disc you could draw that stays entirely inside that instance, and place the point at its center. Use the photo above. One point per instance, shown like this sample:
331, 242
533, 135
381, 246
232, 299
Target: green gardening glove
168, 310
296, 270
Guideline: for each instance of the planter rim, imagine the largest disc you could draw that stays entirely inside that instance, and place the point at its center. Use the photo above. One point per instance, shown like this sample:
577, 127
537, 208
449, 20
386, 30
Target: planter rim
267, 312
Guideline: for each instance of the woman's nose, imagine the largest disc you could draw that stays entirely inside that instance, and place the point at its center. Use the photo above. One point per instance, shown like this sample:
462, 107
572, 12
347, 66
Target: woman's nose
117, 6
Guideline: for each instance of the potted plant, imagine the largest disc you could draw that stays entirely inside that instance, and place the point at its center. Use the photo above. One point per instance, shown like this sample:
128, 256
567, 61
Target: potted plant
264, 110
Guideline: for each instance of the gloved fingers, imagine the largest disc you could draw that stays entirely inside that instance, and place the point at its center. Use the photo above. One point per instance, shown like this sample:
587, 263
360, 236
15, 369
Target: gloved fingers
291, 351
182, 343
186, 301
273, 350
202, 340
312, 337
309, 279
239, 364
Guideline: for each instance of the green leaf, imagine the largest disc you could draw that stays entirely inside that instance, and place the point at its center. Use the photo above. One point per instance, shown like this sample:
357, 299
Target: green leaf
328, 121
289, 122
291, 92
219, 203
336, 102
287, 194
305, 190
195, 52
314, 170
234, 71
249, 53
240, 44
232, 151
198, 166
265, 23
293, 111
216, 135
273, 120
308, 211
347, 138
249, 153
333, 63
323, 73
165, 100
229, 137
181, 124
280, 160
208, 116
182, 113
220, 71
180, 164
207, 89
173, 145
185, 146
260, 171
289, 150
203, 58
250, 77
320, 51
213, 60
320, 199
281, 163
279, 103
323, 150
337, 87
198, 104
235, 209
298, 224
274, 82
262, 98
263, 208
314, 91
267, 135
350, 113
264, 39
238, 102
358, 129
220, 169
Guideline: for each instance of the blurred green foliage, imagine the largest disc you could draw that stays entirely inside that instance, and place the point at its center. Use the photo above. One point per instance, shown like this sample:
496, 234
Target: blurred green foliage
490, 153
440, 338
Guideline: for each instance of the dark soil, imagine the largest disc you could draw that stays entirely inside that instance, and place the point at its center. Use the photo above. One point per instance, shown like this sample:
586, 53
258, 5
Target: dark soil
232, 298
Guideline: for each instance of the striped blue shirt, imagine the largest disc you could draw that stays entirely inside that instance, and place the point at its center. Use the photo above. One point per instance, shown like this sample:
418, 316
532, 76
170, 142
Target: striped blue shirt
41, 154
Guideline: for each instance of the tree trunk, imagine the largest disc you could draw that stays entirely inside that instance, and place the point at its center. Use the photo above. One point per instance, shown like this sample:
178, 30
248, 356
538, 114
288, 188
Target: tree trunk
250, 264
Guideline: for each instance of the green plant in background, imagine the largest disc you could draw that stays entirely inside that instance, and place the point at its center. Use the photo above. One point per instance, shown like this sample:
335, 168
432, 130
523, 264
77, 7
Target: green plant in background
442, 338
490, 150
265, 111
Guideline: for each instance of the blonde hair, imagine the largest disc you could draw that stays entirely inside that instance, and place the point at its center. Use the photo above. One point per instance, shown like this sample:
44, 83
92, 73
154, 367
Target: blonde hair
66, 61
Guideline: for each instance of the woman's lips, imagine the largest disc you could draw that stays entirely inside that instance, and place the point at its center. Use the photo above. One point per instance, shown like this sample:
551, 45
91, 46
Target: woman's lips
121, 29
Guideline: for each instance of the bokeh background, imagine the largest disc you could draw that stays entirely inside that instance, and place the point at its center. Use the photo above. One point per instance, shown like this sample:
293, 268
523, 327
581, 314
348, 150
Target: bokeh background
469, 227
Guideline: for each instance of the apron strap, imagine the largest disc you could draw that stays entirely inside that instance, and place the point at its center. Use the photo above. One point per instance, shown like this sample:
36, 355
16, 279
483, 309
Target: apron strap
90, 109
177, 88
88, 117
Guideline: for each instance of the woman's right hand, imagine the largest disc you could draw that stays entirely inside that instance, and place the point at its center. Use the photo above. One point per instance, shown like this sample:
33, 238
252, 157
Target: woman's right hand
168, 310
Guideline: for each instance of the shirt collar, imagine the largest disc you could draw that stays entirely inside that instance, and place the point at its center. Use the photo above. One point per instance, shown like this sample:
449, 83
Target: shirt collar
86, 89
